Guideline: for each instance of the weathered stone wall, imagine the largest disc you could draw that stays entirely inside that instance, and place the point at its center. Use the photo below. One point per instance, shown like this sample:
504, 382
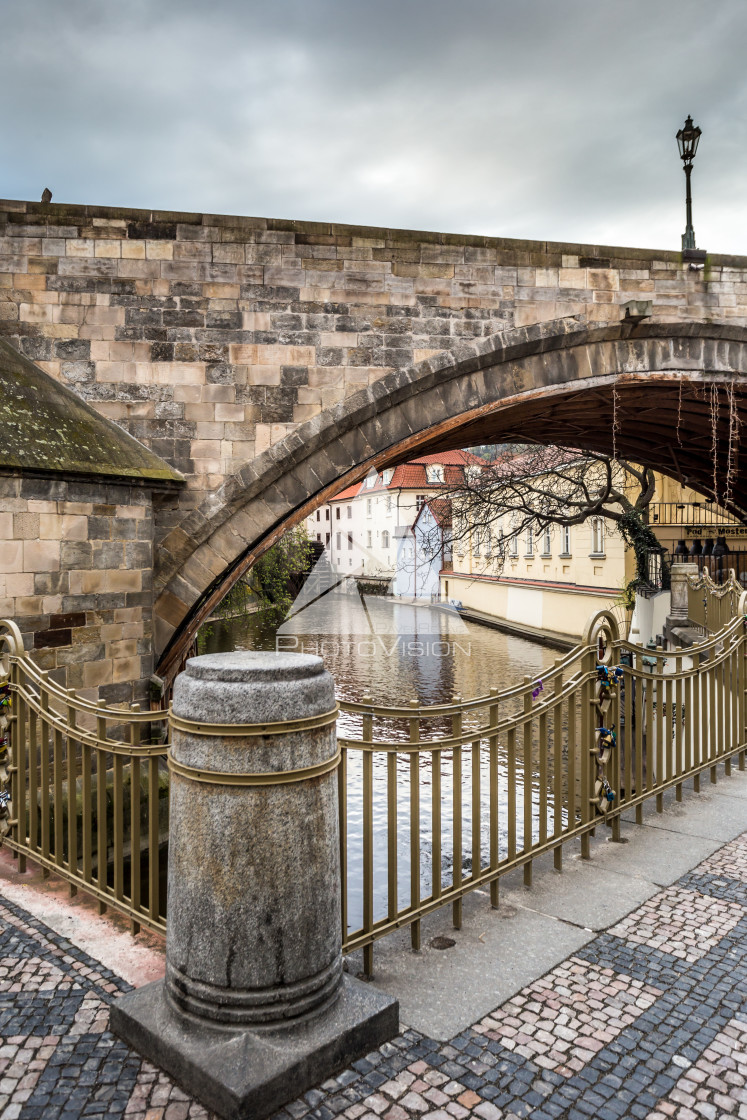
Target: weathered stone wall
213, 339
76, 564
210, 337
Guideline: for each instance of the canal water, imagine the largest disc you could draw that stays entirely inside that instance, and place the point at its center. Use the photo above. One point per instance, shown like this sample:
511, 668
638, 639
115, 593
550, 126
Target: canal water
394, 653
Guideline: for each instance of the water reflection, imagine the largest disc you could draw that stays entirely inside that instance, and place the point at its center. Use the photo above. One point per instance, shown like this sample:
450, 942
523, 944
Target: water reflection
414, 652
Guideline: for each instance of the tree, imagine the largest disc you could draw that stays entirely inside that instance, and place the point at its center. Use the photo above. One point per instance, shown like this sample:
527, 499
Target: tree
279, 574
533, 488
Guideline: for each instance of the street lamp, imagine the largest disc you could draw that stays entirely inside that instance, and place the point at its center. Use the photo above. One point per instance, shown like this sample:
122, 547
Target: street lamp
687, 139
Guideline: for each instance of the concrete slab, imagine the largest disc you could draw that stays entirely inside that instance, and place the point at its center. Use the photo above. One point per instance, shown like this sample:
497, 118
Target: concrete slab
585, 895
497, 952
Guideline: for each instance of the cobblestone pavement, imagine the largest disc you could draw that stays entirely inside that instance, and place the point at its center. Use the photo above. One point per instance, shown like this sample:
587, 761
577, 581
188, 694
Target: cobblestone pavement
649, 1020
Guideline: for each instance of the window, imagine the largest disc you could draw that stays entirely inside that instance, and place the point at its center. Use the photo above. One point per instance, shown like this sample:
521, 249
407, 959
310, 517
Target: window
530, 542
371, 480
597, 536
319, 515
385, 539
350, 512
337, 513
514, 547
326, 514
350, 540
566, 540
477, 542
369, 542
389, 503
319, 537
546, 543
419, 502
327, 538
434, 472
388, 475
369, 506
339, 540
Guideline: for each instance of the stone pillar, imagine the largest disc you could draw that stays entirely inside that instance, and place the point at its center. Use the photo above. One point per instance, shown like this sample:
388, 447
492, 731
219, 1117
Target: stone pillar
255, 1007
678, 618
679, 574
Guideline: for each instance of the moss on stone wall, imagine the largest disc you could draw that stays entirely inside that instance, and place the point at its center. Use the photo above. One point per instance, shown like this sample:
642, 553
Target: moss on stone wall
45, 426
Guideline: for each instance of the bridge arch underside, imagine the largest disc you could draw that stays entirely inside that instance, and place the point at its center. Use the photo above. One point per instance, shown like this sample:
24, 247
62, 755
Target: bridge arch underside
666, 396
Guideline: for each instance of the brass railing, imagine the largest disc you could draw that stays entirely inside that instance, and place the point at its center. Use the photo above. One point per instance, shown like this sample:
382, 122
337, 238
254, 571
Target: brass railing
435, 801
88, 789
711, 605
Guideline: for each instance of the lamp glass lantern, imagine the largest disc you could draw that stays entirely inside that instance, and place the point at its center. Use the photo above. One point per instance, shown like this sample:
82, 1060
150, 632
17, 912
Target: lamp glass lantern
687, 141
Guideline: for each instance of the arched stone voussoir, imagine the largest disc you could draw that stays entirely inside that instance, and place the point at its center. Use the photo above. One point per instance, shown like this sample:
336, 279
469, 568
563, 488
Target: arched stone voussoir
490, 387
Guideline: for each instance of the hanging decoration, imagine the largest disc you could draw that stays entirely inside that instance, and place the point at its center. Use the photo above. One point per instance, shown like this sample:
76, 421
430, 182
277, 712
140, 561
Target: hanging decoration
605, 738
5, 805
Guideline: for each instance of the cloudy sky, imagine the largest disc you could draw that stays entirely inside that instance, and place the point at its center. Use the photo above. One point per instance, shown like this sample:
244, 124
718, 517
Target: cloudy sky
545, 119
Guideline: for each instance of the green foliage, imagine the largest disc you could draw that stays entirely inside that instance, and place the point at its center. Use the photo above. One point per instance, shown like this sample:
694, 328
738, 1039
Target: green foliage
639, 536
278, 575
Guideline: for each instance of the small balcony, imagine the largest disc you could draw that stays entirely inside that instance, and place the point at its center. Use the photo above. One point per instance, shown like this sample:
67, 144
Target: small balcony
696, 514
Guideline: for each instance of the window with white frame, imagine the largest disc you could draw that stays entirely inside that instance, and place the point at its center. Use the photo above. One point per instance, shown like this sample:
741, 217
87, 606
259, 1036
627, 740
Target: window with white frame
388, 475
369, 506
566, 540
339, 540
546, 543
434, 472
337, 513
350, 540
369, 542
419, 502
597, 536
385, 539
350, 512
530, 541
389, 503
476, 542
513, 550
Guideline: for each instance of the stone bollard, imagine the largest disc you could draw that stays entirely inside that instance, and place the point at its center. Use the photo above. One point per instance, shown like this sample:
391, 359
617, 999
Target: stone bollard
255, 1007
679, 573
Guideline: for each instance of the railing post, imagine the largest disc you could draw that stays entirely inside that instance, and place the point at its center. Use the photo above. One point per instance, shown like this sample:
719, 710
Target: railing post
588, 739
254, 1008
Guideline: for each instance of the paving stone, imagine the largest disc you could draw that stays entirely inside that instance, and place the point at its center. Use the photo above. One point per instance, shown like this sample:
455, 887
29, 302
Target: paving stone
647, 1020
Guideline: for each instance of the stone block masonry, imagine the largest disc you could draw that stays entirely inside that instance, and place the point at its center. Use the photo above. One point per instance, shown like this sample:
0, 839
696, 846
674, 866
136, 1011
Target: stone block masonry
213, 339
210, 338
76, 569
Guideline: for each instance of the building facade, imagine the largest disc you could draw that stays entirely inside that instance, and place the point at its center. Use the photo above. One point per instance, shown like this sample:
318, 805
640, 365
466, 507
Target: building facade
361, 528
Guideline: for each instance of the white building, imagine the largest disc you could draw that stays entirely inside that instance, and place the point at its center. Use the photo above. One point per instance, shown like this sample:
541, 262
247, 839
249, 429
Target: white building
424, 551
361, 527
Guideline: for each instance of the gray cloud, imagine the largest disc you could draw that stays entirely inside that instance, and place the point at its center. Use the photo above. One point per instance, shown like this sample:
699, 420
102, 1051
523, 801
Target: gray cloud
531, 119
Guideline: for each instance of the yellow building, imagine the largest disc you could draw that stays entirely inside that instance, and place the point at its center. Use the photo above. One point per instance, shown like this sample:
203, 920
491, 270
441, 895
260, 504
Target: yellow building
549, 583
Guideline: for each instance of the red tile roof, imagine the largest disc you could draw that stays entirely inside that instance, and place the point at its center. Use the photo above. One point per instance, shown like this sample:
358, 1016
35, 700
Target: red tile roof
412, 475
351, 492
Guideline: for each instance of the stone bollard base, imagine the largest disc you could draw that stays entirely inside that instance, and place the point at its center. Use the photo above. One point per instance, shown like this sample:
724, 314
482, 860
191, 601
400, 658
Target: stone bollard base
241, 1073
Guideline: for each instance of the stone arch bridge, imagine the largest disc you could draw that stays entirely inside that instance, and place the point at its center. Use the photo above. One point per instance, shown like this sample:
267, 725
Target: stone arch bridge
273, 362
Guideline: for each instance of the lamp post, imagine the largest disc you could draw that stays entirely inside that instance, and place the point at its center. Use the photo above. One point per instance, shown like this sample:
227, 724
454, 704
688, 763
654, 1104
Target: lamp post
687, 139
